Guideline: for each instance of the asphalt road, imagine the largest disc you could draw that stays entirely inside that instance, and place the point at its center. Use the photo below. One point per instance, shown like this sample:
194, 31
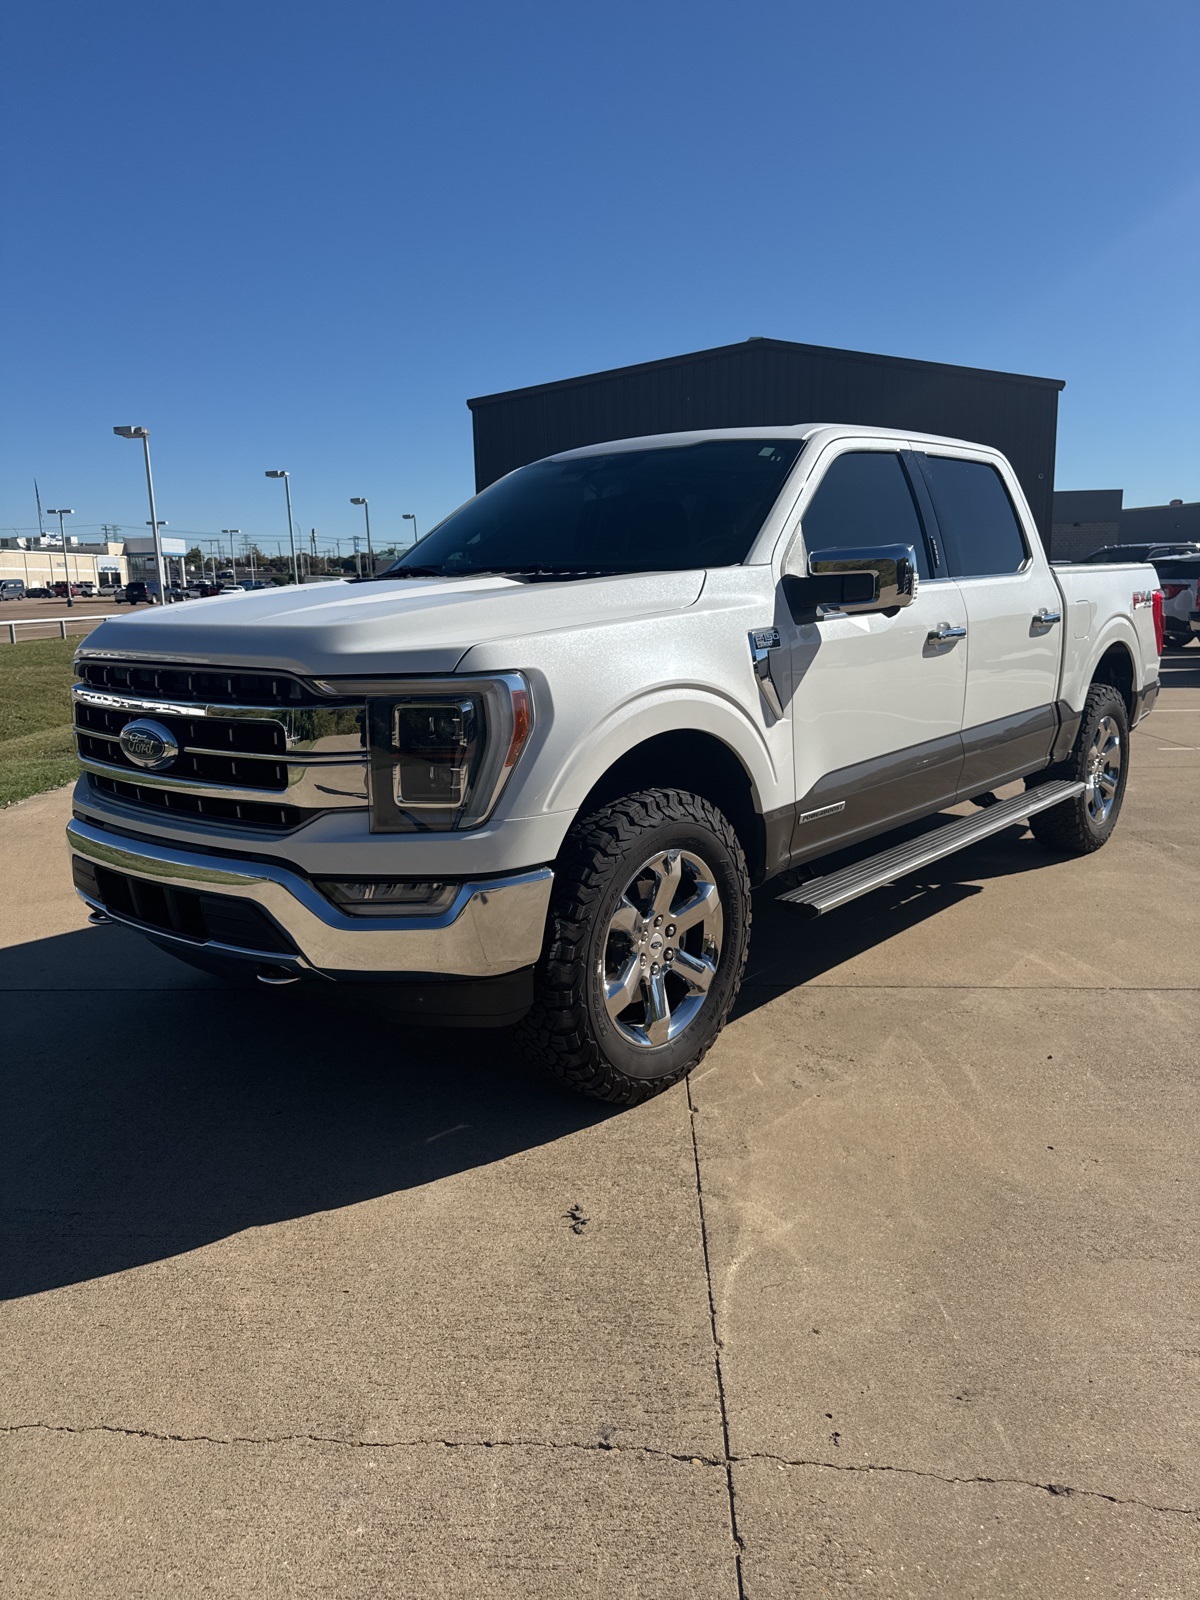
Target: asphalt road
898, 1298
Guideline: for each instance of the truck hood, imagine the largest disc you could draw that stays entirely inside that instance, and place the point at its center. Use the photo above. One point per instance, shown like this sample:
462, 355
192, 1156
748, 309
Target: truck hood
402, 625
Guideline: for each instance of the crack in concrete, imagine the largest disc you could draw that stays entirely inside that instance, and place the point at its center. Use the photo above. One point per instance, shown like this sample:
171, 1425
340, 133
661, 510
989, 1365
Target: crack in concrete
739, 1546
722, 1463
600, 1447
1056, 1489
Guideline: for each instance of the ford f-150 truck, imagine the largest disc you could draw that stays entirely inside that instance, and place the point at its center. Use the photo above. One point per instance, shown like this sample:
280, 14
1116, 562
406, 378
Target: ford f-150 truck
531, 772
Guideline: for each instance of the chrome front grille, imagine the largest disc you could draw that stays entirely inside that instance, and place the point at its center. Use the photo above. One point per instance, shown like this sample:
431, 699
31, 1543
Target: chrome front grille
254, 748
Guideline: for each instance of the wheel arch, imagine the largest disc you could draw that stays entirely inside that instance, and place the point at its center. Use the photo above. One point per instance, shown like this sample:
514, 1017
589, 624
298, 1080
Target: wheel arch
695, 760
1116, 667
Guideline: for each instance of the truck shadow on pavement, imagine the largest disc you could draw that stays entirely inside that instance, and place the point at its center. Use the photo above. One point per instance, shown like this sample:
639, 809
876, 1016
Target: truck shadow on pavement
147, 1119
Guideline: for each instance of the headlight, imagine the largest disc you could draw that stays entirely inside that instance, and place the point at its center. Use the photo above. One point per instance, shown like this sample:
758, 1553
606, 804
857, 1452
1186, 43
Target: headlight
441, 751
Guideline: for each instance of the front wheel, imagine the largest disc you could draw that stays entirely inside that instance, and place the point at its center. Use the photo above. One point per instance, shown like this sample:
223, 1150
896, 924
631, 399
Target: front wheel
1100, 760
649, 928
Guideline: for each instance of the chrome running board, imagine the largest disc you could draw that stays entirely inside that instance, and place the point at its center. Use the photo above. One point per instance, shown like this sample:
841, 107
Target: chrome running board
819, 895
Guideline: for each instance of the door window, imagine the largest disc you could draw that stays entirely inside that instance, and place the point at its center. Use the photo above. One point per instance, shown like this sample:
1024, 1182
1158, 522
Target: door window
865, 499
976, 519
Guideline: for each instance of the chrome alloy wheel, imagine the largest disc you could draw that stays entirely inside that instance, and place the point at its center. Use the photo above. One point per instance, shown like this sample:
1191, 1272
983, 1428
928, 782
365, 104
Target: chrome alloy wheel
1102, 773
662, 948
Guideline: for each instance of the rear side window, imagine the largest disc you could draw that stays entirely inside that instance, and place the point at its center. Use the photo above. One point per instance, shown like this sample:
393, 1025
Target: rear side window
976, 518
864, 499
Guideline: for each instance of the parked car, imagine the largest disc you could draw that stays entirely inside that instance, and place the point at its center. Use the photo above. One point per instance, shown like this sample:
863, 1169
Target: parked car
137, 593
87, 589
1180, 578
12, 589
598, 704
38, 592
175, 594
60, 588
255, 583
230, 588
1138, 552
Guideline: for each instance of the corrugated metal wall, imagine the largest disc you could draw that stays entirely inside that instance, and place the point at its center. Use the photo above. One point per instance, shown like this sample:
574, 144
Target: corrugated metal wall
768, 381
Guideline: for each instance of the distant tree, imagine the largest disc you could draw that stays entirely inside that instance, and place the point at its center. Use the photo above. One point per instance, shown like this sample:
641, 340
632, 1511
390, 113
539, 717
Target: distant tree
195, 556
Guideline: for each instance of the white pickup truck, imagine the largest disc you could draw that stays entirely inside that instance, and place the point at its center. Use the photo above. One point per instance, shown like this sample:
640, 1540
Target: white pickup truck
531, 773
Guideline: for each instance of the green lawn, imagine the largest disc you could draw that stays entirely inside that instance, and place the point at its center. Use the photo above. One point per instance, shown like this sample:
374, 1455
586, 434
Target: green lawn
36, 748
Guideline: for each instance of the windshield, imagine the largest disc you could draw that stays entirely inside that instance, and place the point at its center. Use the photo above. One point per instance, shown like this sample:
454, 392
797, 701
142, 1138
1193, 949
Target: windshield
664, 510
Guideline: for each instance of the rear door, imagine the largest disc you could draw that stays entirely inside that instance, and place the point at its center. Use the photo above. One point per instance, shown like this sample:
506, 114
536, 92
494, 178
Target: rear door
1013, 618
877, 701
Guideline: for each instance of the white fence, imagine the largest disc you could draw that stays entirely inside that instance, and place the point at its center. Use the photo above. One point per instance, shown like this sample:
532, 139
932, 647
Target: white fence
87, 623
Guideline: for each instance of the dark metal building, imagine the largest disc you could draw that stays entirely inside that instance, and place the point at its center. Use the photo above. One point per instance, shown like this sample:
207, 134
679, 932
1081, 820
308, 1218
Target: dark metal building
1171, 523
1085, 520
769, 381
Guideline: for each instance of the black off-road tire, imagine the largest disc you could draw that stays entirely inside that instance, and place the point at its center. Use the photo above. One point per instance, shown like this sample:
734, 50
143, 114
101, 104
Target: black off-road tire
568, 1031
1071, 828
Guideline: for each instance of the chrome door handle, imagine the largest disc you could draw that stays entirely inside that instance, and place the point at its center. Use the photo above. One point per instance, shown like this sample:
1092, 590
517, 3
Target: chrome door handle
1044, 618
944, 631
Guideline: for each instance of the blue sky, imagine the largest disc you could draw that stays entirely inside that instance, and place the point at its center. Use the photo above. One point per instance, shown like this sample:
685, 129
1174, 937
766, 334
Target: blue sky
301, 235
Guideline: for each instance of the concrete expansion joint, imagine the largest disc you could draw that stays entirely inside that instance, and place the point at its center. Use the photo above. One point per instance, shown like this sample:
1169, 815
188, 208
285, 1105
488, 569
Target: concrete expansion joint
723, 1464
1056, 1489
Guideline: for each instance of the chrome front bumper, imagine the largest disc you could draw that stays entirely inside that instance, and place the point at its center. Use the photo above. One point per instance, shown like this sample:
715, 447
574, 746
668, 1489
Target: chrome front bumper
492, 927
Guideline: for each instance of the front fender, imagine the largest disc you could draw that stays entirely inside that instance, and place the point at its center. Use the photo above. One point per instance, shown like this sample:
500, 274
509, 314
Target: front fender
681, 708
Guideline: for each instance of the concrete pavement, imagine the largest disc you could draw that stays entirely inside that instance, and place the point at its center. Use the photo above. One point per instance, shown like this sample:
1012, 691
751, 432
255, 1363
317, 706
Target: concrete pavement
897, 1298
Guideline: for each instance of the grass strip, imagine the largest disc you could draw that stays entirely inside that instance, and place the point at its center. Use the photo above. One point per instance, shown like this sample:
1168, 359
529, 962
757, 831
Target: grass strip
36, 747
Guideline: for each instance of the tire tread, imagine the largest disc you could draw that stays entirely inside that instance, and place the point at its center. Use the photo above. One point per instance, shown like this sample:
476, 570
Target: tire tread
556, 1032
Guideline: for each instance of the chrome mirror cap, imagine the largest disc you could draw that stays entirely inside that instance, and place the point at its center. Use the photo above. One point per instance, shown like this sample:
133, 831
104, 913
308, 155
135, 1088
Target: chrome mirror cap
857, 580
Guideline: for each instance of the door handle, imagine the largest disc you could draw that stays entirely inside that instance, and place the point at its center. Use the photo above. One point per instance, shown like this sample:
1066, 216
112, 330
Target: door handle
944, 631
1044, 618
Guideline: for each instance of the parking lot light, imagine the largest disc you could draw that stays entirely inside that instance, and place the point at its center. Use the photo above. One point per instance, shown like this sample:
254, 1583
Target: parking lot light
136, 431
360, 500
409, 517
280, 472
65, 512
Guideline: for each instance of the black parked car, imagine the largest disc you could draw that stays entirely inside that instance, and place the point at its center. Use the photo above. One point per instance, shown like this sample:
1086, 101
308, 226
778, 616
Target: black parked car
137, 593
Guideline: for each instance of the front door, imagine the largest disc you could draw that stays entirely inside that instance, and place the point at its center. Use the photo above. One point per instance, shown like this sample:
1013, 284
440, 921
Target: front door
1014, 622
877, 701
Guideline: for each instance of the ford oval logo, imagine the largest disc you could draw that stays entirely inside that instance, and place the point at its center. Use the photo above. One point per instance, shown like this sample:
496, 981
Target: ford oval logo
148, 744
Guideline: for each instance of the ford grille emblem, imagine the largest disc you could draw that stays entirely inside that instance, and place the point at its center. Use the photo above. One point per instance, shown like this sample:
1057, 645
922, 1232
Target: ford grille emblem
148, 744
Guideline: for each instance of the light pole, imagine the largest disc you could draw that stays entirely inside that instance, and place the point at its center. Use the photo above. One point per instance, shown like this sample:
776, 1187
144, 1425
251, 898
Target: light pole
231, 534
130, 432
65, 512
359, 500
287, 489
409, 517
163, 523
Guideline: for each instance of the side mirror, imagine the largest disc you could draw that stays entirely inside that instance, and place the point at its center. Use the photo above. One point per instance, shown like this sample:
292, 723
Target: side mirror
871, 578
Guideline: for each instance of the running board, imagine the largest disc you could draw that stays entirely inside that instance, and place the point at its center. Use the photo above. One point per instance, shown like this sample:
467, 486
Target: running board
819, 895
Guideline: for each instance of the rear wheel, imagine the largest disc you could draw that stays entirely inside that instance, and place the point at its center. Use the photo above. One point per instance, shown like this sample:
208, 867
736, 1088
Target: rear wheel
1100, 760
649, 928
